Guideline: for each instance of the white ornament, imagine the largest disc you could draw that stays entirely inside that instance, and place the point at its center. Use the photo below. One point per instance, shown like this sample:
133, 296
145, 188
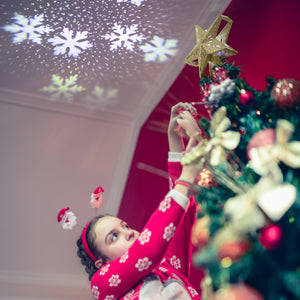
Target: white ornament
277, 201
223, 90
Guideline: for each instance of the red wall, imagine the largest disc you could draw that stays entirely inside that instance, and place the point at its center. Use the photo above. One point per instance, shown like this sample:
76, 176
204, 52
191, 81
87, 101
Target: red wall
266, 33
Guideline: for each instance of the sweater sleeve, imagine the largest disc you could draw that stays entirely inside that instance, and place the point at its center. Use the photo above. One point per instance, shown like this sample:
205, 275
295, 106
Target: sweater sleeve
180, 249
117, 277
174, 167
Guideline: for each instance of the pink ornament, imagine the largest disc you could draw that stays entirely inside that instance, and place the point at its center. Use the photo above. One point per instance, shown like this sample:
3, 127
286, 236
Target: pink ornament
262, 138
271, 236
97, 197
246, 97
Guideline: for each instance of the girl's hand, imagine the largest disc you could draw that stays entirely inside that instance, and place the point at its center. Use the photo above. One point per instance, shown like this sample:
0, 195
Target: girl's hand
188, 123
184, 112
191, 171
176, 112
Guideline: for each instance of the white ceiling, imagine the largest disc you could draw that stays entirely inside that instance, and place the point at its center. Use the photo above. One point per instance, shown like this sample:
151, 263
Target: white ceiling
56, 150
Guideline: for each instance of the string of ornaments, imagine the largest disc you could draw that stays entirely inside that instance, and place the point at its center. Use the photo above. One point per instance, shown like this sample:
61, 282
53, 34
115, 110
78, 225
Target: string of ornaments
249, 216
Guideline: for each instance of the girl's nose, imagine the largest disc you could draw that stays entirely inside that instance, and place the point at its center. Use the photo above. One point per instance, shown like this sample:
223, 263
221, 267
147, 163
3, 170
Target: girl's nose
129, 234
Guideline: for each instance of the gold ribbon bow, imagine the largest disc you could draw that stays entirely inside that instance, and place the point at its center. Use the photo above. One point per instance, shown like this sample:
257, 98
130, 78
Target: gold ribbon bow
264, 160
220, 140
274, 199
289, 153
211, 46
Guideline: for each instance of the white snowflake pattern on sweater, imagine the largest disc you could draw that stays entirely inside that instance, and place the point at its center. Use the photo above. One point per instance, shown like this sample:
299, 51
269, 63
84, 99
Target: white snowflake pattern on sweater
114, 280
169, 232
95, 292
143, 264
145, 236
165, 204
130, 295
162, 269
175, 262
124, 257
104, 269
193, 291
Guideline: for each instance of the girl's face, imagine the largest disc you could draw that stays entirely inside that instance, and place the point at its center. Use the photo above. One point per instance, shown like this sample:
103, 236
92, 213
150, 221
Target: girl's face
113, 237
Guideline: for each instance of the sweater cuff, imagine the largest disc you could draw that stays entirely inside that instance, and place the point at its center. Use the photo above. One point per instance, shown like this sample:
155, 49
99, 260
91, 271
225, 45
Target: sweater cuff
175, 156
181, 199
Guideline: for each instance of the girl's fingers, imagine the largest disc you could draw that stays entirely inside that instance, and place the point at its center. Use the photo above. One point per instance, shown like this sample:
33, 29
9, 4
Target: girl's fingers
192, 143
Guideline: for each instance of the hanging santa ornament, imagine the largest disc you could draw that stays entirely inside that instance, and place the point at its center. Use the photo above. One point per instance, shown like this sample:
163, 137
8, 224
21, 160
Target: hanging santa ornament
271, 236
97, 197
66, 218
246, 97
286, 93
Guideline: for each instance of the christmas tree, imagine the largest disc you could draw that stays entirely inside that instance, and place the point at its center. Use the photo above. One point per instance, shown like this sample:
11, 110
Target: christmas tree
248, 224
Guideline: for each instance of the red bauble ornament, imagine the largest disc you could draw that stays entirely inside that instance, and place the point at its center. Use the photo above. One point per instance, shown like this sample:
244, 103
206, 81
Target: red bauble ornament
239, 291
286, 93
233, 250
205, 90
220, 74
201, 232
261, 138
246, 97
271, 236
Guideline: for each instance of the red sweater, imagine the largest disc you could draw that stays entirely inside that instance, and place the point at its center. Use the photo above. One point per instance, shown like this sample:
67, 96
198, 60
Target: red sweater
162, 251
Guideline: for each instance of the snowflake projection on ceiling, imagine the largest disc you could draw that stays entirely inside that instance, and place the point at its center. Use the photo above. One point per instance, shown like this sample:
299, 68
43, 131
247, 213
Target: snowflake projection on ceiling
73, 48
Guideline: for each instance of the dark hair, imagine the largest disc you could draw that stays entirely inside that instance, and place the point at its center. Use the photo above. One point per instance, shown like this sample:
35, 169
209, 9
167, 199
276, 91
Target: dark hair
86, 261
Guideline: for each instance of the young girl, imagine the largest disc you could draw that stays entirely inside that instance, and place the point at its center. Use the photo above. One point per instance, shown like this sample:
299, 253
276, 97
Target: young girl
154, 264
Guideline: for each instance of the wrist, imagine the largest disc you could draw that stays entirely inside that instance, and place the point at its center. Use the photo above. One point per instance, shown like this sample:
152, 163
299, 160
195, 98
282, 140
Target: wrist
187, 188
189, 175
184, 182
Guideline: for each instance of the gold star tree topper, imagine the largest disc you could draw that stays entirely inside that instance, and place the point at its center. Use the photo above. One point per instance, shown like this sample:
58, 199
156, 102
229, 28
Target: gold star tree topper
211, 47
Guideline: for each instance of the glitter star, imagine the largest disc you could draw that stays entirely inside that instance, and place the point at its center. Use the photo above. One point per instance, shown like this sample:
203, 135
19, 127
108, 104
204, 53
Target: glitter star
211, 47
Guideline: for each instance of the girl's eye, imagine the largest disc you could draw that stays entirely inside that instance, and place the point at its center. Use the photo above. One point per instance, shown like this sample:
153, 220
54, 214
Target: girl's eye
125, 226
114, 236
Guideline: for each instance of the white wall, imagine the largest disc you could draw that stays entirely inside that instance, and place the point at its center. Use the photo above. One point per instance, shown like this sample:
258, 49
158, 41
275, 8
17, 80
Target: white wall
50, 160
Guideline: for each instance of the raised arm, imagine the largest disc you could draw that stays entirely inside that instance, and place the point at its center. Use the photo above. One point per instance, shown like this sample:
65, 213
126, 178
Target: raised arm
182, 123
117, 277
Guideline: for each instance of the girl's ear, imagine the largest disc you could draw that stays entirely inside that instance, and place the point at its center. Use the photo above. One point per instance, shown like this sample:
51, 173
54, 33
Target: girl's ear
99, 263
